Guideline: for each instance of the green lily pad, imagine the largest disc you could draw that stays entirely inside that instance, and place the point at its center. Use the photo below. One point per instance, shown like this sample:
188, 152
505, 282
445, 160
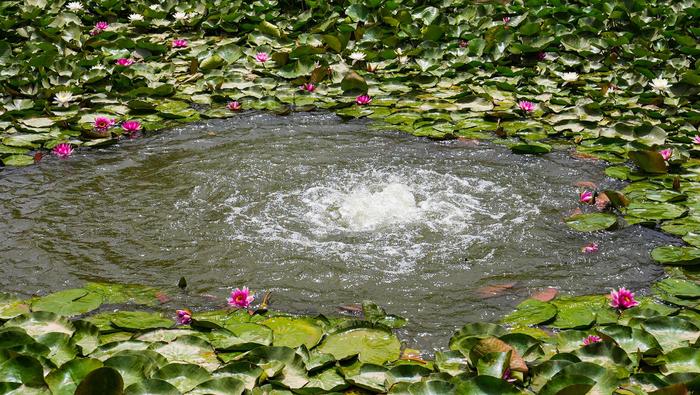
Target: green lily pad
673, 255
293, 332
183, 376
151, 387
65, 380
372, 345
531, 312
649, 161
69, 302
654, 210
139, 320
106, 381
591, 222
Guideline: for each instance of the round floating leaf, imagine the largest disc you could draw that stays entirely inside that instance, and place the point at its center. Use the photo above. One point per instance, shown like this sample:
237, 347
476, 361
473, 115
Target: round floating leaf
69, 302
293, 332
531, 148
65, 380
495, 345
591, 222
151, 387
604, 354
189, 349
245, 371
679, 288
372, 345
132, 367
632, 340
325, 381
20, 369
531, 312
124, 293
139, 320
649, 161
682, 360
431, 387
219, 386
42, 322
353, 83
104, 381
485, 385
85, 336
654, 210
183, 376
674, 255
371, 377
671, 332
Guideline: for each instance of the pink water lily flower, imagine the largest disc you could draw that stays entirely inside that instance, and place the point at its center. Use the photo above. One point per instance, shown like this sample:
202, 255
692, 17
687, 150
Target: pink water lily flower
590, 248
622, 299
184, 317
179, 43
131, 126
696, 139
526, 106
62, 150
240, 298
233, 105
506, 19
101, 25
463, 43
586, 197
591, 339
666, 153
308, 87
542, 55
262, 57
124, 62
363, 100
103, 123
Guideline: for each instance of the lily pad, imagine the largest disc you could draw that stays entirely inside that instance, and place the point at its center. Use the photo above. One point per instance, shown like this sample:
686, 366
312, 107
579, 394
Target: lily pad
591, 222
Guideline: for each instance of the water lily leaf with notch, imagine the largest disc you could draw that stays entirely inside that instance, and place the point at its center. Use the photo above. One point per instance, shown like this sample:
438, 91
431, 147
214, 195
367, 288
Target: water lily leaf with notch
370, 376
692, 239
324, 382
61, 349
104, 380
682, 360
18, 160
293, 332
133, 366
151, 387
591, 222
607, 355
65, 380
478, 329
632, 340
679, 288
451, 362
353, 83
183, 376
533, 147
492, 344
681, 226
281, 364
531, 312
671, 332
493, 364
655, 210
431, 387
542, 372
11, 306
244, 371
407, 373
20, 369
242, 336
124, 293
188, 349
69, 302
617, 199
85, 336
375, 314
649, 161
41, 322
139, 320
578, 312
219, 386
485, 385
674, 255
372, 344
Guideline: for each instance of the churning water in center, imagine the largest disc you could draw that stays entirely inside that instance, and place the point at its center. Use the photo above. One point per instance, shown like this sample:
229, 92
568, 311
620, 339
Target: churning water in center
322, 213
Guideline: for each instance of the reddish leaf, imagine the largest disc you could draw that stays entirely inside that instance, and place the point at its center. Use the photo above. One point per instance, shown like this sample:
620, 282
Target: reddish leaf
586, 184
38, 156
493, 290
602, 201
545, 295
162, 298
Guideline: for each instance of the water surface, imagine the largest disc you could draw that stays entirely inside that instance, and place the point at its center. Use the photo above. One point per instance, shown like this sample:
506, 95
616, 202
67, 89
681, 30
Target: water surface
322, 213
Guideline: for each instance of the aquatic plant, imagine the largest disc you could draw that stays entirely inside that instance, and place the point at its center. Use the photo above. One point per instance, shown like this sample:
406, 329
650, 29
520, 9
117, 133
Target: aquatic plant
526, 106
586, 197
241, 298
622, 299
590, 339
262, 57
363, 100
124, 62
666, 153
308, 87
590, 248
131, 126
179, 43
103, 123
62, 150
63, 98
183, 317
233, 105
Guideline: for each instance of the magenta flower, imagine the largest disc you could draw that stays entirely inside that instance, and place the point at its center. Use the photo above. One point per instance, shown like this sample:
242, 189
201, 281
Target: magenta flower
591, 339
179, 43
102, 25
124, 62
184, 317
666, 153
590, 248
103, 123
526, 106
542, 55
696, 139
506, 19
62, 150
622, 299
131, 126
363, 100
586, 197
233, 105
240, 298
463, 43
308, 87
262, 57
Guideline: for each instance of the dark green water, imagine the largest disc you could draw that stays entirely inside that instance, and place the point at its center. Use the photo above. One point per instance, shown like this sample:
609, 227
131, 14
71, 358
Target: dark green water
322, 213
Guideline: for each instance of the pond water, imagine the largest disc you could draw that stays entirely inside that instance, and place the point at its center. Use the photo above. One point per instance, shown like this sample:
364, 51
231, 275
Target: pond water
320, 212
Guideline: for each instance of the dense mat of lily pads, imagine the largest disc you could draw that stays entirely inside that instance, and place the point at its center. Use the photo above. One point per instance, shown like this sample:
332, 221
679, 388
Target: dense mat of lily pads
74, 341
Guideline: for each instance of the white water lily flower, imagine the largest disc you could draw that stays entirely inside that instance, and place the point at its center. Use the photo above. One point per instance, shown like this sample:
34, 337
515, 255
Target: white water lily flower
135, 17
179, 16
63, 99
154, 7
659, 84
357, 56
569, 77
74, 6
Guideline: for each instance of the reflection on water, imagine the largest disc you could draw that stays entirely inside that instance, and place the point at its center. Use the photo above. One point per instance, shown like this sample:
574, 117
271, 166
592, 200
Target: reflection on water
320, 212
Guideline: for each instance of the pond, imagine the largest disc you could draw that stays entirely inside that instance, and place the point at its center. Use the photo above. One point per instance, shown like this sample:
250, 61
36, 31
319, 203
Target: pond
320, 212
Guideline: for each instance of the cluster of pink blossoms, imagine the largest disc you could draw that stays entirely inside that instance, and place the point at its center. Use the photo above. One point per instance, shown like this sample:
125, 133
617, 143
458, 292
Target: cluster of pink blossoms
99, 28
240, 298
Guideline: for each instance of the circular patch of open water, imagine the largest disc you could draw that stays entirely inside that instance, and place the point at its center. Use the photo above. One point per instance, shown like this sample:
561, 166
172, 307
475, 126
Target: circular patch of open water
320, 212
